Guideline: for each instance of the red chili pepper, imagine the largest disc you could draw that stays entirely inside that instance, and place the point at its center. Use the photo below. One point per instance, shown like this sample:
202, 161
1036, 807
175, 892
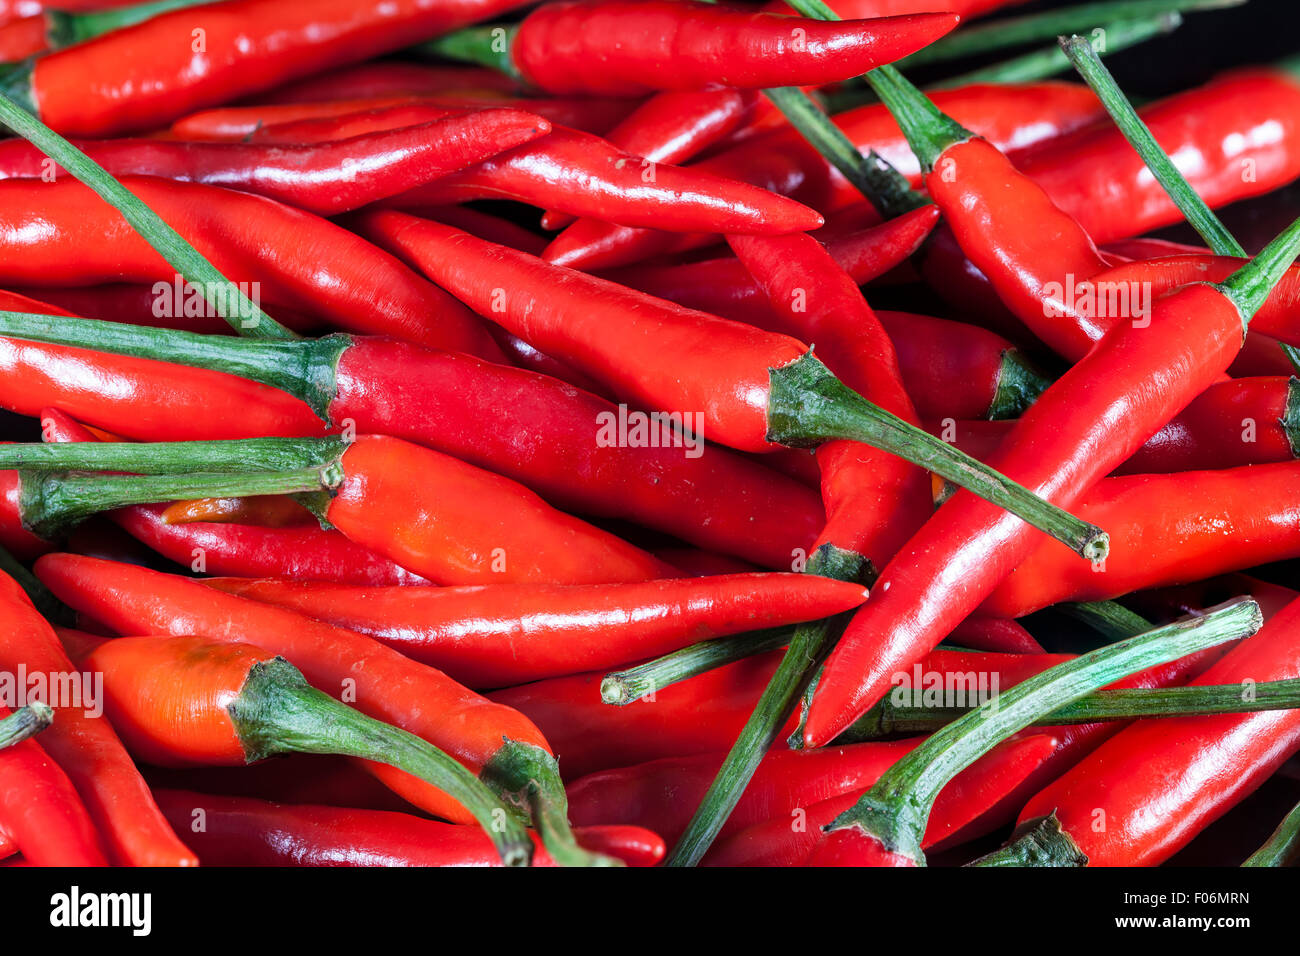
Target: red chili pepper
507, 634
1012, 117
724, 286
80, 240
997, 634
391, 78
1161, 781
1246, 120
674, 127
1075, 433
327, 179
190, 701
585, 175
495, 741
238, 831
40, 812
571, 47
54, 29
980, 787
1165, 529
150, 73
266, 511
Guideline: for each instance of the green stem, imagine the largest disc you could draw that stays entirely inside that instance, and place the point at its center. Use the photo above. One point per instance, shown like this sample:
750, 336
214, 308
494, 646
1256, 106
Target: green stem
305, 368
895, 810
68, 28
25, 722
1113, 621
228, 456
527, 777
1188, 201
50, 607
220, 293
1019, 385
1016, 31
1039, 842
623, 687
928, 129
808, 405
1290, 420
1283, 847
485, 45
1249, 286
278, 712
890, 717
809, 647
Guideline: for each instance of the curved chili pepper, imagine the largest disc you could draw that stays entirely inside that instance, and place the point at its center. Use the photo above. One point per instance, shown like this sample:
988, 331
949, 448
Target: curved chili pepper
1246, 120
237, 831
585, 175
327, 179
1165, 529
391, 78
673, 127
305, 123
40, 812
1192, 768
185, 701
501, 745
80, 240
724, 286
86, 747
716, 500
507, 634
570, 47
1074, 434
1012, 117
973, 792
150, 73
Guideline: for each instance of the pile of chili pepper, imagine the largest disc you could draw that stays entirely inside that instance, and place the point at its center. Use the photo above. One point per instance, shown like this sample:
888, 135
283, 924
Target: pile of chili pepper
633, 433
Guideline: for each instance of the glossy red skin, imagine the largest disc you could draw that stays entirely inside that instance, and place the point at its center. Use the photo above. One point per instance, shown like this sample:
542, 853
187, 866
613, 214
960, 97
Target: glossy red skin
1094, 417
503, 634
1278, 317
87, 749
312, 264
391, 78
661, 795
673, 127
701, 715
1165, 529
14, 537
724, 286
327, 179
874, 500
1253, 114
145, 75
1161, 781
242, 832
456, 524
24, 37
686, 361
620, 47
966, 799
584, 175
1019, 239
951, 369
40, 813
1205, 436
1011, 117
305, 123
387, 685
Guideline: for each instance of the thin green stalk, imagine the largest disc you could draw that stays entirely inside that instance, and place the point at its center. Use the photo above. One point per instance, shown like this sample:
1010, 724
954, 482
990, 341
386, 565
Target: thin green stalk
809, 647
1249, 286
1011, 32
25, 722
890, 718
229, 456
623, 687
1283, 847
221, 294
1188, 201
1113, 621
896, 809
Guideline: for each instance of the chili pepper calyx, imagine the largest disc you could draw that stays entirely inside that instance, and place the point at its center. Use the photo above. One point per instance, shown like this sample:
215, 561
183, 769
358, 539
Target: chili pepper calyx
1290, 420
1019, 385
1037, 842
